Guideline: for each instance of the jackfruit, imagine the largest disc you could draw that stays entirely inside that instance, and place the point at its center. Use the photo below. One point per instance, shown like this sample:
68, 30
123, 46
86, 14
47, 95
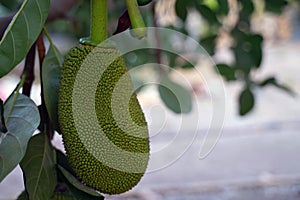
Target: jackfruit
111, 156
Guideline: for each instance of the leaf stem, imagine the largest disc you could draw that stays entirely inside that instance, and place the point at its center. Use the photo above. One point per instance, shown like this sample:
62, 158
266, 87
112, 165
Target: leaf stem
136, 19
98, 21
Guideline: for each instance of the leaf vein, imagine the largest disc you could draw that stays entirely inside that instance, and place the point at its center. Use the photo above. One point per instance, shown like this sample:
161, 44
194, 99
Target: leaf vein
27, 27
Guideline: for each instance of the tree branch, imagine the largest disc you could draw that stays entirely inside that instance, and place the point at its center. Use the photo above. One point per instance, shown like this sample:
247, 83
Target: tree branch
29, 71
46, 124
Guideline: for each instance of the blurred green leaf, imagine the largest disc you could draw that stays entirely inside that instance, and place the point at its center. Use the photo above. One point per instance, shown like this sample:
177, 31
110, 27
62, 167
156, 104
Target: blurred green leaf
246, 101
275, 6
22, 33
274, 82
226, 71
242, 57
223, 7
171, 58
10, 4
187, 65
247, 50
143, 2
38, 168
22, 119
247, 10
208, 14
51, 73
209, 44
256, 48
175, 97
181, 9
140, 57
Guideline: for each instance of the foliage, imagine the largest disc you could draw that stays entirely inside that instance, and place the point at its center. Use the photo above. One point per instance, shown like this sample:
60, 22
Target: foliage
46, 170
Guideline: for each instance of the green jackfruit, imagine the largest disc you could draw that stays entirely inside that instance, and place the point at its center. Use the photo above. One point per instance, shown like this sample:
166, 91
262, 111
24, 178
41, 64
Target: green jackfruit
112, 155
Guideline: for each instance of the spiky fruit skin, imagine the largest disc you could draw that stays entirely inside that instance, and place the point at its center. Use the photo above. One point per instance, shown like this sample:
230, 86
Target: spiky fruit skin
87, 167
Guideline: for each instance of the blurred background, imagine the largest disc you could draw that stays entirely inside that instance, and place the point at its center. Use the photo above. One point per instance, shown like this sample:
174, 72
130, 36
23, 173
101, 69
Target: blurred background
257, 154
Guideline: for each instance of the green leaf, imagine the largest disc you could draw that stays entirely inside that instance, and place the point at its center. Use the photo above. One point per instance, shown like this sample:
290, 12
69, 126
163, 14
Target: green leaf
63, 195
21, 118
22, 33
247, 50
69, 179
51, 73
175, 97
247, 10
62, 160
23, 196
209, 44
256, 49
208, 14
246, 101
181, 9
143, 2
188, 65
77, 184
275, 6
273, 81
223, 7
10, 4
226, 71
39, 168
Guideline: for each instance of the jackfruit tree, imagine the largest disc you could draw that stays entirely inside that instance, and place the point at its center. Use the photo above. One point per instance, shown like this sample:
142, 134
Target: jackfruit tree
88, 96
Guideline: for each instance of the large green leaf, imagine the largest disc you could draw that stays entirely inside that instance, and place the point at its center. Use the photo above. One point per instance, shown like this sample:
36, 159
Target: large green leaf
21, 119
39, 168
22, 33
51, 72
175, 97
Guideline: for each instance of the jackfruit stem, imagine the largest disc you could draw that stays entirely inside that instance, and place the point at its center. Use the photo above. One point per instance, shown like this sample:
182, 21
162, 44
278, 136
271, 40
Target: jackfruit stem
136, 19
98, 31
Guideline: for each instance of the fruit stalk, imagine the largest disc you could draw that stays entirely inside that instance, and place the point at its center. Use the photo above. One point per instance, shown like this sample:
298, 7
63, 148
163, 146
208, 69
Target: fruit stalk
136, 19
98, 31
